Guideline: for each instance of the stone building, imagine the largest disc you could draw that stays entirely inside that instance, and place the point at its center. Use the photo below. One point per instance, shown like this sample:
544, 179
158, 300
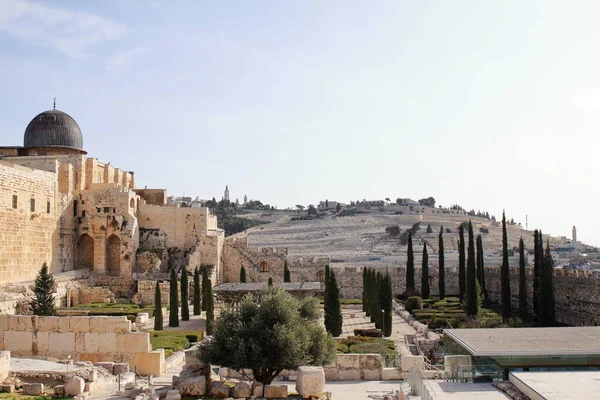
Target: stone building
61, 207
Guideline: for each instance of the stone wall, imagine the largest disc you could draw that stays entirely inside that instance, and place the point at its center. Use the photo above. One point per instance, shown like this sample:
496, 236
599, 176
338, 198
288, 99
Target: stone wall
83, 338
147, 288
4, 365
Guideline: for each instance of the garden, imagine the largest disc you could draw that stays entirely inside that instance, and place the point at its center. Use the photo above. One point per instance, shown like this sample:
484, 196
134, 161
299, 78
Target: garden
174, 340
369, 345
112, 309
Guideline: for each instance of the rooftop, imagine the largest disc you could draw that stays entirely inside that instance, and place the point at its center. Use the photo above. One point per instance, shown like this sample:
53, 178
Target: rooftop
559, 385
570, 341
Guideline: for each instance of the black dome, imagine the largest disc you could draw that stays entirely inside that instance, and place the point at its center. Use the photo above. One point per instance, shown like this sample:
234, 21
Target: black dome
53, 128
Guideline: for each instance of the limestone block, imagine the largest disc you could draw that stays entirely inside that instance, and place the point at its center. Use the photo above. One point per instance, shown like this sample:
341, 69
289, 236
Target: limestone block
371, 375
79, 324
96, 357
2, 340
33, 389
107, 365
90, 387
127, 357
92, 375
64, 324
120, 368
219, 389
173, 395
74, 386
408, 362
152, 363
107, 342
391, 374
20, 323
134, 342
257, 389
7, 388
332, 373
79, 342
43, 341
310, 381
276, 392
371, 361
59, 390
141, 318
3, 322
15, 340
242, 389
91, 342
349, 375
118, 325
348, 361
61, 342
195, 386
98, 324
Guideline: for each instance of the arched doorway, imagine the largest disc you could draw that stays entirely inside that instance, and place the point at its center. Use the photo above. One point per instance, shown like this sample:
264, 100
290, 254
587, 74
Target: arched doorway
264, 267
321, 276
85, 252
113, 255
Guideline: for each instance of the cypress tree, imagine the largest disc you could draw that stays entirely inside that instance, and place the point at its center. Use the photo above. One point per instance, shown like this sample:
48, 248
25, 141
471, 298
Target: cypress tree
537, 264
546, 302
243, 275
42, 302
386, 304
205, 287
270, 283
505, 274
286, 272
461, 263
480, 267
410, 267
523, 313
368, 292
210, 308
197, 302
377, 300
471, 293
173, 300
364, 289
158, 316
185, 297
442, 272
333, 311
373, 302
425, 273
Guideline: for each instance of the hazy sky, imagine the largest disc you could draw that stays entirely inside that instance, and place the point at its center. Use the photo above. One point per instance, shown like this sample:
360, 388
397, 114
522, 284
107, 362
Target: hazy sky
485, 104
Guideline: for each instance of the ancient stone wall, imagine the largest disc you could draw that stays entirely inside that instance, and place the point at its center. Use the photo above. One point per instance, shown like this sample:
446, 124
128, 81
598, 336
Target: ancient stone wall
156, 197
146, 290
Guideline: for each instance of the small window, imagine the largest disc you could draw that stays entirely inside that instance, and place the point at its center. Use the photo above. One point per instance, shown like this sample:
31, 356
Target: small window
75, 208
47, 207
15, 201
98, 209
106, 209
321, 276
264, 267
32, 205
83, 214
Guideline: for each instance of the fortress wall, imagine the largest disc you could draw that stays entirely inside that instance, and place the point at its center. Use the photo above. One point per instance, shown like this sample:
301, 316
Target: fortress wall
181, 225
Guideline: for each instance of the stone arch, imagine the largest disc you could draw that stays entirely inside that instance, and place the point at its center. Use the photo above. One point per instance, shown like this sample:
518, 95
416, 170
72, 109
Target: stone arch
113, 255
132, 203
85, 252
321, 276
264, 266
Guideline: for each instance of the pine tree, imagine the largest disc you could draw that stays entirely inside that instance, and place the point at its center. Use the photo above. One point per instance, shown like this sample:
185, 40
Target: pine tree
546, 302
480, 267
442, 272
333, 311
243, 275
523, 313
461, 263
173, 300
43, 301
410, 267
286, 272
270, 283
386, 304
185, 297
197, 302
364, 289
158, 316
204, 288
210, 308
472, 298
425, 274
505, 274
538, 256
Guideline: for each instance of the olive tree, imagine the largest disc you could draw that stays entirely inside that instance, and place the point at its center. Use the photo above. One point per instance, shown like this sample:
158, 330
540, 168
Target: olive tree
269, 333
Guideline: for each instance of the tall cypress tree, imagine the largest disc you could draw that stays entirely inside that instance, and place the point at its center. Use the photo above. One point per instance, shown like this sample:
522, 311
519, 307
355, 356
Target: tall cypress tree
505, 274
537, 266
364, 289
43, 301
197, 302
461, 263
242, 275
185, 297
386, 304
410, 267
205, 286
377, 300
523, 313
373, 302
442, 272
425, 273
333, 311
158, 316
369, 292
286, 272
173, 300
546, 302
471, 292
480, 267
270, 282
210, 308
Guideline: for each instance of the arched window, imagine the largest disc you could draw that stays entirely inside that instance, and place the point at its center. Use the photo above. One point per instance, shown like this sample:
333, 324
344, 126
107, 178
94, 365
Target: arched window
132, 203
113, 255
264, 267
321, 276
75, 208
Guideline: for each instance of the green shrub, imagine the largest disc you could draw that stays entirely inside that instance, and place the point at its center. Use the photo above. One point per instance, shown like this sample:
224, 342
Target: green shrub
341, 347
372, 332
174, 340
414, 302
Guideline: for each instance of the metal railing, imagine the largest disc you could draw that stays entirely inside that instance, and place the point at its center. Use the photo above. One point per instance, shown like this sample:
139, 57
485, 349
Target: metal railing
419, 384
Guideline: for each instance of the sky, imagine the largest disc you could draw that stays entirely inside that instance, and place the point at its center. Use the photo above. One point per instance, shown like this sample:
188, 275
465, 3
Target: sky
489, 105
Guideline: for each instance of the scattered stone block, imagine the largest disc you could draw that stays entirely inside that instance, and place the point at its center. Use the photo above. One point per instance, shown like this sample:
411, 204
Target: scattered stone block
276, 392
219, 389
107, 365
152, 363
257, 389
90, 387
173, 395
74, 386
195, 386
242, 389
141, 318
120, 368
7, 388
59, 390
310, 381
33, 389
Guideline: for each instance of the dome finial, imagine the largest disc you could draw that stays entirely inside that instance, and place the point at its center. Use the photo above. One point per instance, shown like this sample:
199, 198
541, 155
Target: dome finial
54, 106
